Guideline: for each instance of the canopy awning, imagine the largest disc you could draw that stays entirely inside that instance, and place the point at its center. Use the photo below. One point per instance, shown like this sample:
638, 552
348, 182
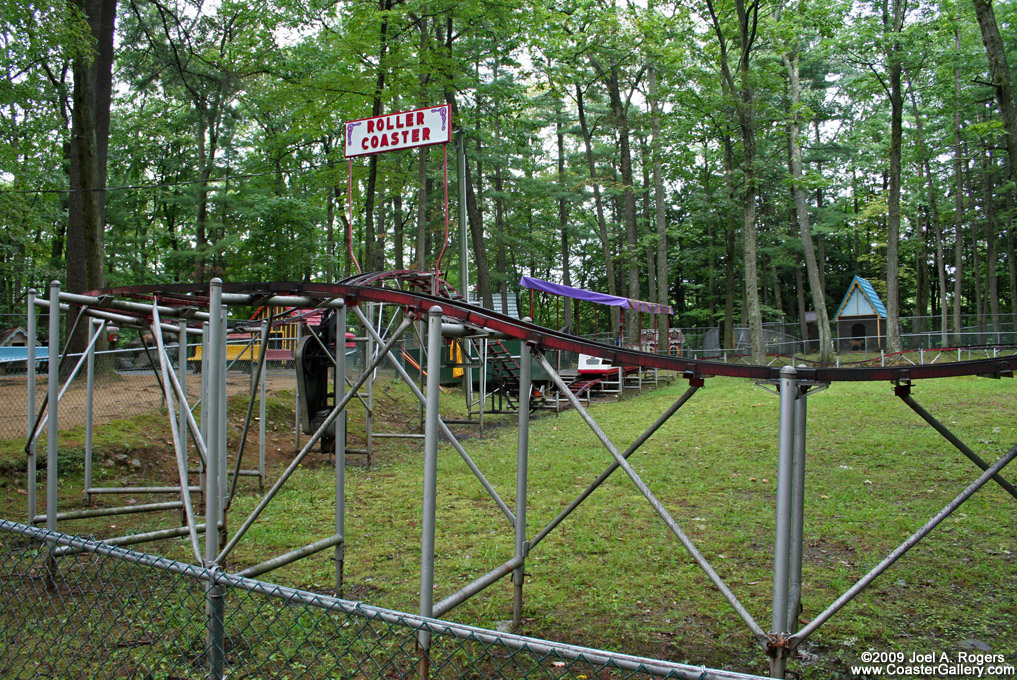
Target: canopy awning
593, 296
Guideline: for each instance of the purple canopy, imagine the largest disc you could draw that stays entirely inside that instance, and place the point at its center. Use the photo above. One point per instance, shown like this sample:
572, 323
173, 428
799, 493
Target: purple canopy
591, 296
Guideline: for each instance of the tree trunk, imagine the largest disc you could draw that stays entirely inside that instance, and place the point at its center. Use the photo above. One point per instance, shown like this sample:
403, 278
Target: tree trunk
958, 197
894, 68
999, 72
804, 226
742, 91
991, 280
563, 215
621, 122
729, 251
937, 227
660, 215
90, 123
476, 226
598, 203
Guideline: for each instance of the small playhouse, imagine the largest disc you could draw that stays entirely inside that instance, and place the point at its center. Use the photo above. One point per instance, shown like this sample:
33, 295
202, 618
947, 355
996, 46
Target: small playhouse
861, 318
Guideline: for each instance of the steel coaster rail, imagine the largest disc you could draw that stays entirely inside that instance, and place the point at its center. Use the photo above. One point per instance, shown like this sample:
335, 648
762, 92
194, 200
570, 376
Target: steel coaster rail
544, 338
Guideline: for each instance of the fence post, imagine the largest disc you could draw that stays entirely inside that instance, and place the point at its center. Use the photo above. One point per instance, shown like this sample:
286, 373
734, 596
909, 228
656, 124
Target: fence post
782, 540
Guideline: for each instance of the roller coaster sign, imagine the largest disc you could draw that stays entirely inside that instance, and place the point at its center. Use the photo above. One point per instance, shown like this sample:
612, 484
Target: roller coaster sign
401, 130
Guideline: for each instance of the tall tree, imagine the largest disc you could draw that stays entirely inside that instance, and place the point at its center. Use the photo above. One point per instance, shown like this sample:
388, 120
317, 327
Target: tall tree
999, 73
91, 101
739, 84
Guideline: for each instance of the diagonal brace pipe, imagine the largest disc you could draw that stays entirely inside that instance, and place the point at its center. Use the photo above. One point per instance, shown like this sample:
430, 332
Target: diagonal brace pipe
441, 424
181, 455
953, 439
614, 466
911, 541
295, 463
655, 503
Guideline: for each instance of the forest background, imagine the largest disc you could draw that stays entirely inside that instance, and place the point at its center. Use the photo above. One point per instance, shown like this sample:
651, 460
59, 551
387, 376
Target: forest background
739, 160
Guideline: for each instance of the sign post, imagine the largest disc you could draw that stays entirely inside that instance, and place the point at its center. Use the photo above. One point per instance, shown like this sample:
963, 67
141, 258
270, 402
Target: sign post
395, 132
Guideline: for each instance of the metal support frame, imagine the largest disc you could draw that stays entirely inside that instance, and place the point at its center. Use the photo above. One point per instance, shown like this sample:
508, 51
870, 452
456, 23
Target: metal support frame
899, 551
903, 390
447, 433
209, 439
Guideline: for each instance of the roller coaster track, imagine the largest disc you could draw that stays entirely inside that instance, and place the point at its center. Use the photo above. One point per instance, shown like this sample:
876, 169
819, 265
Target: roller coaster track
370, 287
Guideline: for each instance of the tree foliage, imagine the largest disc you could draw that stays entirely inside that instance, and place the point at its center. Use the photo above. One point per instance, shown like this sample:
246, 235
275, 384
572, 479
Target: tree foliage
639, 149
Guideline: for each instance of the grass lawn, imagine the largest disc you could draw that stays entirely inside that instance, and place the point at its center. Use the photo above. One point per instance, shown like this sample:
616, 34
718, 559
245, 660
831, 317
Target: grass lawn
612, 575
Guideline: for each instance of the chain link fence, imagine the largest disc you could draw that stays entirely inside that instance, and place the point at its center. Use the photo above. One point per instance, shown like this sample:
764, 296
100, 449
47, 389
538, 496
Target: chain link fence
100, 611
126, 384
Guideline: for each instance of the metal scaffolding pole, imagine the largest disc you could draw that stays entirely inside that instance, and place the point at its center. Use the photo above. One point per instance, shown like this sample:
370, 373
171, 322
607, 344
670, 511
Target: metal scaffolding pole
693, 388
782, 540
339, 387
797, 511
904, 392
522, 455
295, 463
899, 551
262, 416
214, 594
89, 400
53, 400
184, 410
30, 449
432, 417
262, 354
178, 444
372, 308
296, 390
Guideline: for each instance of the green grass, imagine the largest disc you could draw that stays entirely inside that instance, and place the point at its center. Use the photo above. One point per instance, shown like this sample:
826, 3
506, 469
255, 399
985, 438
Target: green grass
613, 576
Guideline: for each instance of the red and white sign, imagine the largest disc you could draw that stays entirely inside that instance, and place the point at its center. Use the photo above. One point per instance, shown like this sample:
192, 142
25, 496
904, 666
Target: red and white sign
403, 130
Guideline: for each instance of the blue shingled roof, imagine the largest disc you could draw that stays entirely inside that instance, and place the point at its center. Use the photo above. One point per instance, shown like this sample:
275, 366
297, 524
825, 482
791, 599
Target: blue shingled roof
860, 286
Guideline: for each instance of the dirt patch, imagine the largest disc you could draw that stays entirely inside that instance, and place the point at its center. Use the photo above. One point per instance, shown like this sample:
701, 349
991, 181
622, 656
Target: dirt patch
116, 395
